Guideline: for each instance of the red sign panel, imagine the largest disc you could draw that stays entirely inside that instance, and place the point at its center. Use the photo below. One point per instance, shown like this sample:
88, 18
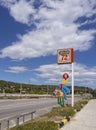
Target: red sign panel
65, 56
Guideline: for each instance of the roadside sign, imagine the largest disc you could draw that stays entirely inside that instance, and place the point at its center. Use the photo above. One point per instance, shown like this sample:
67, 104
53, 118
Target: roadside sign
65, 56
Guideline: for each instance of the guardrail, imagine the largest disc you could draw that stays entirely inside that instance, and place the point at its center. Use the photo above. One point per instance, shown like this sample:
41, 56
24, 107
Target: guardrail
16, 120
22, 96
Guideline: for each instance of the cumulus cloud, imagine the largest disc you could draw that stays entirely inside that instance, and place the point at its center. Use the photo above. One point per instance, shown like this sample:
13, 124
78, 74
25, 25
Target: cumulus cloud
20, 10
46, 42
53, 74
56, 27
16, 69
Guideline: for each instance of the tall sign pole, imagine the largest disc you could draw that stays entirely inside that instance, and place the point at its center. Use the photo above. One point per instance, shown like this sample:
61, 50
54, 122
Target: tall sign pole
66, 56
73, 84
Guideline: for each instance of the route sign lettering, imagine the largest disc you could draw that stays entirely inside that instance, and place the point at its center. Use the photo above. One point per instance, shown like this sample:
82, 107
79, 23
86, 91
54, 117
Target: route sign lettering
65, 56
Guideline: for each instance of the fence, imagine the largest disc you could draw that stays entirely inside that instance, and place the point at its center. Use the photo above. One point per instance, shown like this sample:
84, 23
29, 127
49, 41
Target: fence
16, 120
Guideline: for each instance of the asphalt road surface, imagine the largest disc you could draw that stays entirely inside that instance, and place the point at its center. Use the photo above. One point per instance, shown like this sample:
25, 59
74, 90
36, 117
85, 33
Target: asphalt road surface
10, 108
13, 107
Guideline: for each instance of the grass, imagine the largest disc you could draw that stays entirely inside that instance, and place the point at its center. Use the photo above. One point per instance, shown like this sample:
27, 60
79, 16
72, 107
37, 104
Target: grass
60, 112
39, 125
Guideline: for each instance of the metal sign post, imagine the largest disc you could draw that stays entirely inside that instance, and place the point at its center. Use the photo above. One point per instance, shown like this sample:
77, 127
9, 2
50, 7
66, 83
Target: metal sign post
72, 84
66, 56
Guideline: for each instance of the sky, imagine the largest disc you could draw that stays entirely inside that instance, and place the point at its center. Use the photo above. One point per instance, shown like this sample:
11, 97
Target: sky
31, 32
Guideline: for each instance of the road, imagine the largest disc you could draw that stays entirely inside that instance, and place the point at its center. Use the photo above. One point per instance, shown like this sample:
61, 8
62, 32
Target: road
13, 107
9, 108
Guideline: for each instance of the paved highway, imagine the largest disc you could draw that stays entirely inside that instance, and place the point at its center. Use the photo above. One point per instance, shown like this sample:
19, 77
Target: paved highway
10, 108
13, 107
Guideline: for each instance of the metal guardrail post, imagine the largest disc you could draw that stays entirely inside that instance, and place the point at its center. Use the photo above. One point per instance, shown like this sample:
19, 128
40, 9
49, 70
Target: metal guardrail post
23, 119
8, 124
0, 125
31, 115
17, 121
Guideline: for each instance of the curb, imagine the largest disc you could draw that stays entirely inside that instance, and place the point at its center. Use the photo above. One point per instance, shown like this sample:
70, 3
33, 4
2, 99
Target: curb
64, 121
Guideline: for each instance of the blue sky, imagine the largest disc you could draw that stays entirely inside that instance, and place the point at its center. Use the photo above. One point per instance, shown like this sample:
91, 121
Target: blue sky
31, 31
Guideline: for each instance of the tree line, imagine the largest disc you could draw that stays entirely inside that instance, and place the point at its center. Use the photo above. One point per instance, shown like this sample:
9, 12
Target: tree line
12, 87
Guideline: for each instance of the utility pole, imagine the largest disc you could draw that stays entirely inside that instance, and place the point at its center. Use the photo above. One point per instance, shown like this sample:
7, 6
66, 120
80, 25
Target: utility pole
20, 89
47, 89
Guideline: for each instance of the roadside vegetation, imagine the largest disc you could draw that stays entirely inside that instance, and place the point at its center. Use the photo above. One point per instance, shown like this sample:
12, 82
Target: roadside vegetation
51, 120
12, 87
40, 125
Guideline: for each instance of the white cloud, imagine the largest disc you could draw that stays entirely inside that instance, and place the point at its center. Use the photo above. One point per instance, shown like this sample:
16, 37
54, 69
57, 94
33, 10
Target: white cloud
45, 42
53, 74
20, 10
55, 29
16, 69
